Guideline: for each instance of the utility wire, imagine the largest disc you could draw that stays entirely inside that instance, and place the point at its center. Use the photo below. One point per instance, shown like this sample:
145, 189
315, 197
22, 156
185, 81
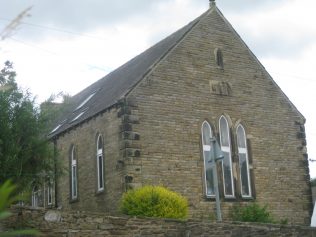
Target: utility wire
57, 29
60, 56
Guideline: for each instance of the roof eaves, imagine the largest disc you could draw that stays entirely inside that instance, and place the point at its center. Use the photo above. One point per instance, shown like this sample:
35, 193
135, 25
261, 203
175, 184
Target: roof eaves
56, 134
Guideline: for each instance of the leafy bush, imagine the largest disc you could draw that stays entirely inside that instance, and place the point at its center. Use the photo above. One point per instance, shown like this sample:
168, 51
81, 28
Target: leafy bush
251, 213
154, 201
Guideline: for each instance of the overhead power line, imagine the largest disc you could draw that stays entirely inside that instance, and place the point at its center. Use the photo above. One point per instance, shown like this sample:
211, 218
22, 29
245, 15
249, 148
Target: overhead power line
43, 27
91, 66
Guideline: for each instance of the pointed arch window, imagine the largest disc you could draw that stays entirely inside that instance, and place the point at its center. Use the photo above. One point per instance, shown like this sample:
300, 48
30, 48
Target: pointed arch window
219, 58
243, 162
36, 193
100, 164
208, 172
227, 161
73, 174
49, 193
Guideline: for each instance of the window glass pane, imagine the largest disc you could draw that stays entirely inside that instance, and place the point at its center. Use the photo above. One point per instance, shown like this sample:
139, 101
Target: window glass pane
227, 162
241, 137
206, 134
73, 157
208, 166
245, 191
49, 193
224, 132
243, 162
74, 181
100, 164
228, 186
99, 143
209, 174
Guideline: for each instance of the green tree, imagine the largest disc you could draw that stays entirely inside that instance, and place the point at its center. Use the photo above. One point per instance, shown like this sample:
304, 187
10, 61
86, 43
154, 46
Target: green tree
7, 197
25, 153
52, 111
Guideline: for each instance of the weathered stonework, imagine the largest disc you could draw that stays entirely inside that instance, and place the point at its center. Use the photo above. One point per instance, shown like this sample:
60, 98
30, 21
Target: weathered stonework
84, 138
97, 224
173, 106
153, 134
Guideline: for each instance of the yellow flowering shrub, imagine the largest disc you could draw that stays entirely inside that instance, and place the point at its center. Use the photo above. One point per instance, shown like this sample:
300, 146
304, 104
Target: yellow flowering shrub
154, 201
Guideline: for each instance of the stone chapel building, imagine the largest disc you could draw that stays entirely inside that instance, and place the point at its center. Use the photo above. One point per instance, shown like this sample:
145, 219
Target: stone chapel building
150, 122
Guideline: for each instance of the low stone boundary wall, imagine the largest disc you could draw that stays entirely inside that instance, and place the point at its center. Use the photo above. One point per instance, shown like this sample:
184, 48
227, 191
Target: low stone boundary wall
78, 224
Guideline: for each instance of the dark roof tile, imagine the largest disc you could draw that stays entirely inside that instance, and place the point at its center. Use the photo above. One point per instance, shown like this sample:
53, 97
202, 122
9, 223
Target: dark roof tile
111, 88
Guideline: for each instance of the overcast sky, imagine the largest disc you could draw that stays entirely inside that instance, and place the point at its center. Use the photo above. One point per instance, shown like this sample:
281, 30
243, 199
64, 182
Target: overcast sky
66, 45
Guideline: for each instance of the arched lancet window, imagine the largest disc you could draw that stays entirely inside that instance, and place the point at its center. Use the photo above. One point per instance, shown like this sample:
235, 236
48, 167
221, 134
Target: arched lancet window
219, 58
100, 165
227, 161
74, 175
243, 162
208, 172
49, 192
36, 196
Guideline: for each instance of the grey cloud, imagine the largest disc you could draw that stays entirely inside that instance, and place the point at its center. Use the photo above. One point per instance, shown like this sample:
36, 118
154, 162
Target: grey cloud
83, 15
277, 46
73, 15
246, 5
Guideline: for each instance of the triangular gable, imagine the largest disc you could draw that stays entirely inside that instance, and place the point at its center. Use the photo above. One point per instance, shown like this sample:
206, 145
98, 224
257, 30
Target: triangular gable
259, 63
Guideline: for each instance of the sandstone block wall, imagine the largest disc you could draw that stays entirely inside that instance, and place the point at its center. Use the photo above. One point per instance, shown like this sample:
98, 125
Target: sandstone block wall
84, 224
185, 89
84, 138
153, 136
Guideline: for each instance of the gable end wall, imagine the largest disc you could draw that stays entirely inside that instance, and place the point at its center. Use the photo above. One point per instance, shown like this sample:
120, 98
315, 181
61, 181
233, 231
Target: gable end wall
175, 99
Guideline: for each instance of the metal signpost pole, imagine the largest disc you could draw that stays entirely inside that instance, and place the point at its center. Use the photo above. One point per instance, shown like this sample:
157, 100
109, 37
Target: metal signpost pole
216, 155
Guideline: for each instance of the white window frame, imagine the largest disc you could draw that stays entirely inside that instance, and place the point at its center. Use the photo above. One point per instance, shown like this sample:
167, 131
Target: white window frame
228, 150
74, 175
244, 150
85, 101
35, 196
100, 165
78, 116
206, 147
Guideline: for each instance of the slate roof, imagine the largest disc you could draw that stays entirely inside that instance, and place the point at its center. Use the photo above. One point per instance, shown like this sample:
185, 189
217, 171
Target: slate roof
114, 86
111, 88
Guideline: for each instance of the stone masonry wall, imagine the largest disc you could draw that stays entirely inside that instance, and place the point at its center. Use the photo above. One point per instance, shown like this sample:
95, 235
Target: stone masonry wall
84, 224
84, 138
187, 88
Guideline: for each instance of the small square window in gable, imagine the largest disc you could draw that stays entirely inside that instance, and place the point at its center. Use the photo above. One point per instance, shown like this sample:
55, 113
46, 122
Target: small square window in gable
220, 88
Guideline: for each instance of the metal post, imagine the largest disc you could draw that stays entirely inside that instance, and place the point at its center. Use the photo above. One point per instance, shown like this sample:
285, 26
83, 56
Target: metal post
217, 155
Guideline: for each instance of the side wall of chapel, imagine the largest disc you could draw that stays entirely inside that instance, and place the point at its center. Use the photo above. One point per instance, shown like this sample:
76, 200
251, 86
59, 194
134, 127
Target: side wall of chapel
84, 139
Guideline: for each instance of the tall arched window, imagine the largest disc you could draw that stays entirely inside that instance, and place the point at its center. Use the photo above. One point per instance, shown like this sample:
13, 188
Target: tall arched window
100, 169
35, 196
73, 175
243, 162
49, 192
219, 58
227, 161
208, 169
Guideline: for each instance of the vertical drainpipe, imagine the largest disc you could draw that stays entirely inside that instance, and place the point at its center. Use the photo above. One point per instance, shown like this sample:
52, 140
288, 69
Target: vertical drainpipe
55, 172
